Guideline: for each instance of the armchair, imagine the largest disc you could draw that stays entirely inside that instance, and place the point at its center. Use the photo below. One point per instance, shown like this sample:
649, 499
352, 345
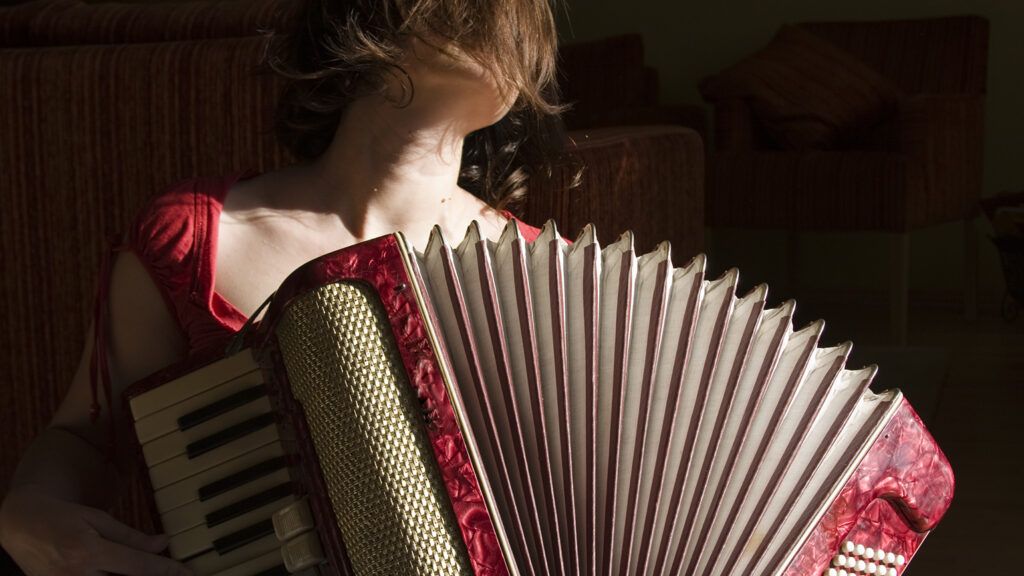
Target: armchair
920, 167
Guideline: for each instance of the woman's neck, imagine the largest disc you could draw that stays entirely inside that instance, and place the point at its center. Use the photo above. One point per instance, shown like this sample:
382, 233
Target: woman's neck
394, 168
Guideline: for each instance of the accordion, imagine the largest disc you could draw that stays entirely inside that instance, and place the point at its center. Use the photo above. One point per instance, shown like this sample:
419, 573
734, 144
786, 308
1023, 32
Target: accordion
532, 408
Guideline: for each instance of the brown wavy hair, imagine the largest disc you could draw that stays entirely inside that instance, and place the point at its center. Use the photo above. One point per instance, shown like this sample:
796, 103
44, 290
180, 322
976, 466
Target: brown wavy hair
332, 52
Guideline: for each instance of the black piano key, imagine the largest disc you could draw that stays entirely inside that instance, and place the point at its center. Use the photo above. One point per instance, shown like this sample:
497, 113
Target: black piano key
236, 509
278, 570
240, 538
210, 411
240, 478
218, 439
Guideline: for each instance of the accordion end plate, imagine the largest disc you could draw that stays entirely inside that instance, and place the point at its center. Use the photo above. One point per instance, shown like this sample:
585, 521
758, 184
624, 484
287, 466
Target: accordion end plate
898, 493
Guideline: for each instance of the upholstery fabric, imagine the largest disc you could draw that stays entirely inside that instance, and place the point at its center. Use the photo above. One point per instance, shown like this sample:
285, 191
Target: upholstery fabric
804, 90
864, 190
604, 74
606, 83
643, 179
69, 22
928, 56
89, 133
919, 167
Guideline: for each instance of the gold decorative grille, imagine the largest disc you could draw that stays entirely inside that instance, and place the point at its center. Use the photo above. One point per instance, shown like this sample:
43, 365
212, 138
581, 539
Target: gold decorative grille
367, 427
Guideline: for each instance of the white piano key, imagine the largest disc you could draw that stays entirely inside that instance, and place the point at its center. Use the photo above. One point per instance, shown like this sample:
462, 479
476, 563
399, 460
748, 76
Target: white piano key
166, 421
211, 563
194, 514
253, 566
175, 444
192, 384
187, 490
200, 538
180, 467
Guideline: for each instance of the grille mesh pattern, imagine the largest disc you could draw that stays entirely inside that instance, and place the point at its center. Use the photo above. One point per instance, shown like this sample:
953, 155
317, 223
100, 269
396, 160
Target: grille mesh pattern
365, 422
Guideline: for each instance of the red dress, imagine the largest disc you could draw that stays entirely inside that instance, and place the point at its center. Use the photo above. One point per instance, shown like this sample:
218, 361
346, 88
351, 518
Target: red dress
175, 238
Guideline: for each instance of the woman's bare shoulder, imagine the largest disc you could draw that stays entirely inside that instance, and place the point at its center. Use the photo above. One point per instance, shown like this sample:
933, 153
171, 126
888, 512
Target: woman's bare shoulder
143, 336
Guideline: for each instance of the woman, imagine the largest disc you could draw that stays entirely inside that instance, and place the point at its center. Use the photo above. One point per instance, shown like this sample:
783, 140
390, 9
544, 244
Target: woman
404, 114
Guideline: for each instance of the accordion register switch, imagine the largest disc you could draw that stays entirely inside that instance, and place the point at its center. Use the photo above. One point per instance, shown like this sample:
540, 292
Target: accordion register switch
544, 408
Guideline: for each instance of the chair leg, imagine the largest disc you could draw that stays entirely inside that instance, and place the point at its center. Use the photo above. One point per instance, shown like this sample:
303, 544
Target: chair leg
970, 270
899, 287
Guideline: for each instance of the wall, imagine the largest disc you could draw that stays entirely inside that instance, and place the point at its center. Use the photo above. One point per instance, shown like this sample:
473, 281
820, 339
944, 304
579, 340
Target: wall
689, 40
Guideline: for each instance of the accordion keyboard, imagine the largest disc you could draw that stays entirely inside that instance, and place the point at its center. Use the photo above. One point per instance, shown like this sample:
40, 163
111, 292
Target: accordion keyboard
220, 474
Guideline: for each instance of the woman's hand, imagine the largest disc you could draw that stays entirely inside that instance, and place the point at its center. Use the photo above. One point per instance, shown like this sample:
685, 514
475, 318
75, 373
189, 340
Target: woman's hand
51, 537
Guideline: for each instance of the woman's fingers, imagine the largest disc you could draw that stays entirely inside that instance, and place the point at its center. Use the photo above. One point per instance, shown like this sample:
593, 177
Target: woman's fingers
47, 536
112, 529
121, 559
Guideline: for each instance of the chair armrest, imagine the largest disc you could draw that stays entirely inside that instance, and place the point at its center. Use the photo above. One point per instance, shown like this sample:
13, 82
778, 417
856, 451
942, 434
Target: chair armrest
649, 179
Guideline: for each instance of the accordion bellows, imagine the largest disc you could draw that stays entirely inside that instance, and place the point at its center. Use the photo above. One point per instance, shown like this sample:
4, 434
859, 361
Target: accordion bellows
553, 408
